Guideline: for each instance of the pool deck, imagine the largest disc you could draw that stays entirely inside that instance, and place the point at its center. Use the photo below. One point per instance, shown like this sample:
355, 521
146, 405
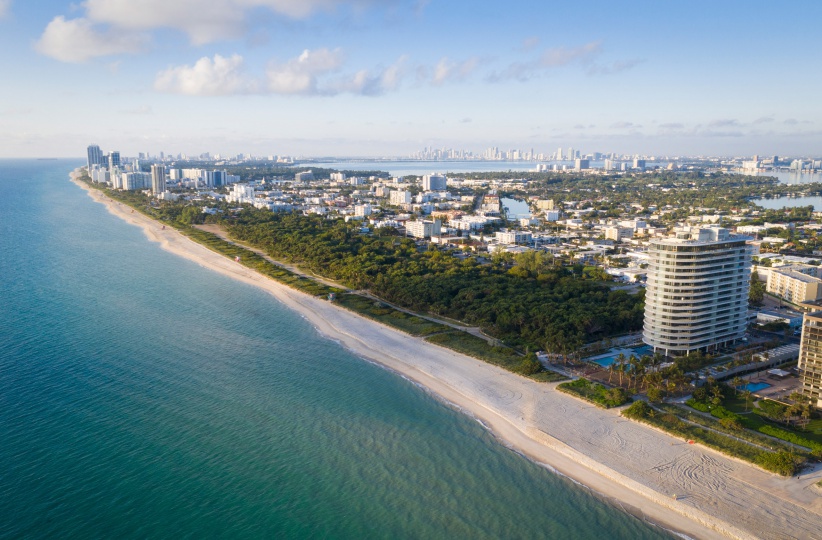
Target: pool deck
779, 390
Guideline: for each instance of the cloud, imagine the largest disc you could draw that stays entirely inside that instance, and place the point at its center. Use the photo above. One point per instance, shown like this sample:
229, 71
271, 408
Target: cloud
309, 74
791, 121
672, 125
725, 122
299, 75
5, 5
76, 40
447, 70
549, 59
614, 67
218, 77
203, 22
530, 43
624, 125
764, 120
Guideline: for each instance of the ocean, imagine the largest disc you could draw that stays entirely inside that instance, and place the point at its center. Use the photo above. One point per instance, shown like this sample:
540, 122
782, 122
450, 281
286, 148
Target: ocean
143, 396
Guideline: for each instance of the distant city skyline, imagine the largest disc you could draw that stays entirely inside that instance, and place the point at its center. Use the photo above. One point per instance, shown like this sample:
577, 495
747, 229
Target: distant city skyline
387, 78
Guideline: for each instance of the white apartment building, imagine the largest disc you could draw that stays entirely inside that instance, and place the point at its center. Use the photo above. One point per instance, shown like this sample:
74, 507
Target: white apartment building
241, 193
362, 210
697, 295
618, 233
513, 237
423, 229
396, 198
434, 182
793, 286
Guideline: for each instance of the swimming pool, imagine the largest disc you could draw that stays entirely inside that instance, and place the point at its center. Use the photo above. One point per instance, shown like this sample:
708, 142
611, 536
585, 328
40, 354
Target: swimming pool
606, 361
757, 386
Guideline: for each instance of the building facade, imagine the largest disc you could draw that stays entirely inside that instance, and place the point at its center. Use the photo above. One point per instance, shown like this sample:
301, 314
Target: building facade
158, 179
810, 357
697, 294
95, 156
434, 182
795, 287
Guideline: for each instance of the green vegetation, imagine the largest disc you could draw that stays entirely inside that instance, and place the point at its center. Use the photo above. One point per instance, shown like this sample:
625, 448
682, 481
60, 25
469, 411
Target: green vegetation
411, 324
756, 294
503, 357
781, 462
541, 306
596, 393
766, 416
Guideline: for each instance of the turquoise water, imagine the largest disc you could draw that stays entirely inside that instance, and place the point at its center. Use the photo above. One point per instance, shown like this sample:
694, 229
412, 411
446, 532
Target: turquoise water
638, 352
142, 396
756, 387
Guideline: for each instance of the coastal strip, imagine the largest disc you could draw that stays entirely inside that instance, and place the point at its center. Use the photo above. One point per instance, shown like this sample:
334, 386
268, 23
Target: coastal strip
686, 488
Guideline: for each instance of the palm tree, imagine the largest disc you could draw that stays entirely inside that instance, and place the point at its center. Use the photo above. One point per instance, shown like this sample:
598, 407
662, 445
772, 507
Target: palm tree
737, 382
747, 395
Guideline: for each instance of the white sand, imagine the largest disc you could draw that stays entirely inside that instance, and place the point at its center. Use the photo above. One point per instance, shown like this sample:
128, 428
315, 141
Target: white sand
626, 462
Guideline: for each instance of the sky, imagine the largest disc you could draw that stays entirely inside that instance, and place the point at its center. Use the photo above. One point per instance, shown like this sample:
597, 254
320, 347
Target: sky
390, 77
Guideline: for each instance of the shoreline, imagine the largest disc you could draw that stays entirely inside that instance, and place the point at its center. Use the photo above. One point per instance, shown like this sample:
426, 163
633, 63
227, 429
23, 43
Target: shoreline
625, 463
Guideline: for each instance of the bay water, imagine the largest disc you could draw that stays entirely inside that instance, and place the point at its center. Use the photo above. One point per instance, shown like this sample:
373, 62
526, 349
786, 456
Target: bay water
143, 396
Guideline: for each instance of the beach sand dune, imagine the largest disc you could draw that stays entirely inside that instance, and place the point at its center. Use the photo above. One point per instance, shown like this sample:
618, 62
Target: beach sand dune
687, 488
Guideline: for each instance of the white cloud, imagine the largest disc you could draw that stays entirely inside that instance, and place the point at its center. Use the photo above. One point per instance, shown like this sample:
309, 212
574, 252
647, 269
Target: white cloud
203, 22
4, 7
218, 77
299, 75
77, 40
309, 74
554, 57
446, 70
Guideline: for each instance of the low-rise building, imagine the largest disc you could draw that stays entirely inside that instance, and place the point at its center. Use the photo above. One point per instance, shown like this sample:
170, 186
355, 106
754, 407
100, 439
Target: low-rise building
423, 229
793, 286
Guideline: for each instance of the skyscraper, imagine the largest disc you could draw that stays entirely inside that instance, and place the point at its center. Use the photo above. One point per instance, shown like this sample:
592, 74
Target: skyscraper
95, 156
810, 357
158, 179
434, 182
697, 295
113, 160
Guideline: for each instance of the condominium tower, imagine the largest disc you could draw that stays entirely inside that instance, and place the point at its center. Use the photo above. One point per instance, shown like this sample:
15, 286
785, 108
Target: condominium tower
95, 156
810, 357
158, 179
697, 294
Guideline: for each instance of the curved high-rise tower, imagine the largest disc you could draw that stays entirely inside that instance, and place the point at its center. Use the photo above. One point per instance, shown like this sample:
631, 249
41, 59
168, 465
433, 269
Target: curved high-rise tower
697, 295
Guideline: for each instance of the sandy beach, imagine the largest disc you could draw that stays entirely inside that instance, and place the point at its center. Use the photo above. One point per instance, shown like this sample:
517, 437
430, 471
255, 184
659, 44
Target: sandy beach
687, 488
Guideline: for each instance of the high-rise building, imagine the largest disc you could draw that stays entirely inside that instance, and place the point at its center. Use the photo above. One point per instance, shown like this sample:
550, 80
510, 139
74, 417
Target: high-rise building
434, 182
559, 154
810, 357
158, 179
697, 294
113, 160
95, 156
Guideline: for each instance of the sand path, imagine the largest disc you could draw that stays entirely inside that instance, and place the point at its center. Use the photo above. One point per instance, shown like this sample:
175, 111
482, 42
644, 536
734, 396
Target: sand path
631, 464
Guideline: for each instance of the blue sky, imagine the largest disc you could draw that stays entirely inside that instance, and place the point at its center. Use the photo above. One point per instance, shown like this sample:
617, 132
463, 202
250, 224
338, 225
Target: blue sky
389, 77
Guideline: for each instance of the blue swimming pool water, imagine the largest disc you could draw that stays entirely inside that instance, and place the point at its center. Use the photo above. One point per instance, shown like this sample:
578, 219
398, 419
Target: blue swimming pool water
637, 351
756, 387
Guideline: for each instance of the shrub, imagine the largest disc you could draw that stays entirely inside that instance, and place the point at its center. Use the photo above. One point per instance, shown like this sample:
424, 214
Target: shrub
637, 410
781, 462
